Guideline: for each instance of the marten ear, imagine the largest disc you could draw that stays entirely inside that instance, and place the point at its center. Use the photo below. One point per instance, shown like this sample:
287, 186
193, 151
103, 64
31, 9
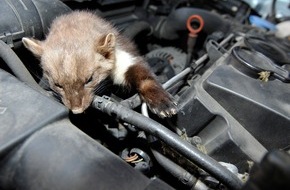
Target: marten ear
33, 45
106, 46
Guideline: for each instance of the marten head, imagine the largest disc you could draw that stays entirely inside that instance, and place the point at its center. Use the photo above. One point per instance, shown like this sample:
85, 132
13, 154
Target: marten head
74, 67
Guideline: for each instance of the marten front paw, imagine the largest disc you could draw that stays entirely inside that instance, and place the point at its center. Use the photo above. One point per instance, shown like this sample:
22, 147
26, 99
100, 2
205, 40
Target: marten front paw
161, 103
164, 108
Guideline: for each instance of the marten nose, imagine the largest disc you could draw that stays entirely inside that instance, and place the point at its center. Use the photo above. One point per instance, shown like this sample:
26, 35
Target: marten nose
76, 104
77, 110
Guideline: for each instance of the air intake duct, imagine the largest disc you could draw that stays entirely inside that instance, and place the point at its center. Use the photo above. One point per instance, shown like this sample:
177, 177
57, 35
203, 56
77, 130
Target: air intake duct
30, 18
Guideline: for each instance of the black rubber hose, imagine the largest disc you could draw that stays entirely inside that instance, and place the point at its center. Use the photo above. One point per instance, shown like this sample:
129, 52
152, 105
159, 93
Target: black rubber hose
136, 28
156, 129
168, 28
175, 170
16, 66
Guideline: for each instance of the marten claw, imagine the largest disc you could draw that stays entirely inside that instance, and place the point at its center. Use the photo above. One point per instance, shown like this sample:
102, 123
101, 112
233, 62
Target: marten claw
167, 108
158, 100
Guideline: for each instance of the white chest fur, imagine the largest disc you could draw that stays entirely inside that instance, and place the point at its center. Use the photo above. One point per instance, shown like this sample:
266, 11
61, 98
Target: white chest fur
123, 61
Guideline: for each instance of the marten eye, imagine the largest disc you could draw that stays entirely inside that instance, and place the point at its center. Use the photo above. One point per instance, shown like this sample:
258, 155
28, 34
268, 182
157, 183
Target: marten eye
58, 85
89, 80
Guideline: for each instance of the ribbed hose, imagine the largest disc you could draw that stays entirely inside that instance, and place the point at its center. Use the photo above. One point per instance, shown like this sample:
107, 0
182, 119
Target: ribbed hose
156, 129
136, 28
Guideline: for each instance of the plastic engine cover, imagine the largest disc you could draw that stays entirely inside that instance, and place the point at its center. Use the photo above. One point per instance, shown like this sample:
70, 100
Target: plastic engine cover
237, 116
41, 149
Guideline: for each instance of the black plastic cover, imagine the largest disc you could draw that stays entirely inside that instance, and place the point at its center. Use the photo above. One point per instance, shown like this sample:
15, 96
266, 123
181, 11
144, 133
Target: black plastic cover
40, 148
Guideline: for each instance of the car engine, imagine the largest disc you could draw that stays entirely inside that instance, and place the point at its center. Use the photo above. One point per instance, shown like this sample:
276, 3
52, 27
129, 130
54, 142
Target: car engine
227, 67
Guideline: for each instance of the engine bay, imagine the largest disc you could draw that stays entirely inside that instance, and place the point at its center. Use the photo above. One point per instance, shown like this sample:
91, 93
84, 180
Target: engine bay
225, 65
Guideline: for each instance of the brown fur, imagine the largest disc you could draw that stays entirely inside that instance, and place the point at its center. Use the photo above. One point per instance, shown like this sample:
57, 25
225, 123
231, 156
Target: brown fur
159, 101
79, 52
